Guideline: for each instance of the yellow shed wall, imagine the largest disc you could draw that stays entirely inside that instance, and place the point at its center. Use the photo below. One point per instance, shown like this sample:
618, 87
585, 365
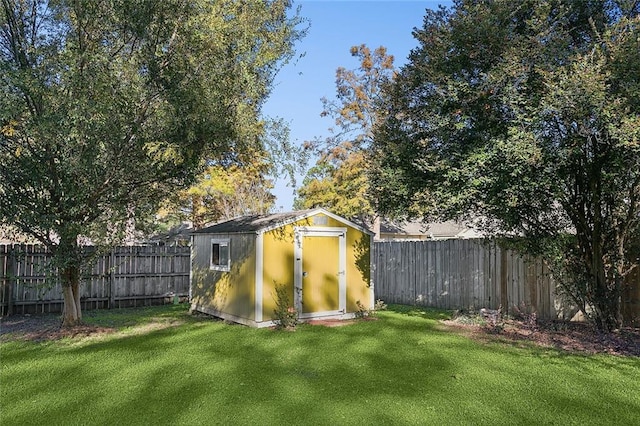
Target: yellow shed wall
277, 267
358, 266
358, 269
279, 264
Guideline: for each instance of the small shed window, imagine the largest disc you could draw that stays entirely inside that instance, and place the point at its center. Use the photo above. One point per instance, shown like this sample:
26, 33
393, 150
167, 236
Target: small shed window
220, 255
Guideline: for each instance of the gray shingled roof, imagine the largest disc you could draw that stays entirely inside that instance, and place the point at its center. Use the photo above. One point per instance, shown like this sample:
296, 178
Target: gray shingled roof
446, 229
248, 224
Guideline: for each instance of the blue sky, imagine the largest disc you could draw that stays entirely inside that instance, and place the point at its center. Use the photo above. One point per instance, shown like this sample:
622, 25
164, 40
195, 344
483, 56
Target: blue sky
335, 26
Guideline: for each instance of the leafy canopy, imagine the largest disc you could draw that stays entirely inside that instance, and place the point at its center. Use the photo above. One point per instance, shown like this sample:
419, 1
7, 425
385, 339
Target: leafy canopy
525, 117
339, 181
107, 107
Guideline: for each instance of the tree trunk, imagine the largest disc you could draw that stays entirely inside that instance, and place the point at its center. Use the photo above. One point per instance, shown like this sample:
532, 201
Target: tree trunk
605, 295
68, 259
608, 314
72, 313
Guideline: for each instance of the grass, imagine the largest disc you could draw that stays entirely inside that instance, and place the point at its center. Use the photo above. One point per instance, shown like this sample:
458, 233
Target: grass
166, 367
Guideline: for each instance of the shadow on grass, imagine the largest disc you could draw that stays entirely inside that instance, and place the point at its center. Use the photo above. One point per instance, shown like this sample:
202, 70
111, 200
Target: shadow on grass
401, 369
207, 369
127, 317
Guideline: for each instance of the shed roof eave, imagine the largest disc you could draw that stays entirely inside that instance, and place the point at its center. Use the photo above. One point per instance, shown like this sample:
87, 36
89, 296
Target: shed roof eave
196, 233
266, 223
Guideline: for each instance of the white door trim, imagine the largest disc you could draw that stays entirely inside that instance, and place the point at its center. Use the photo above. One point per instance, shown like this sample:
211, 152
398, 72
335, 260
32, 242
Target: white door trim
317, 231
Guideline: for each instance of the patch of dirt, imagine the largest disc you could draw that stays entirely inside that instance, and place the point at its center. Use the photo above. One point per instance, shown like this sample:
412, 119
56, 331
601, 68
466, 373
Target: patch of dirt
575, 337
45, 327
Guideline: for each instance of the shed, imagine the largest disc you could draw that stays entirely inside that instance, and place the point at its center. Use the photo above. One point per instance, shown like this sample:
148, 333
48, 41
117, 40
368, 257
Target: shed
322, 259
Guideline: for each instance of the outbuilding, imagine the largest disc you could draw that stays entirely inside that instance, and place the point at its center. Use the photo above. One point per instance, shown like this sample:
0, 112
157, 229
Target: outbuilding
322, 259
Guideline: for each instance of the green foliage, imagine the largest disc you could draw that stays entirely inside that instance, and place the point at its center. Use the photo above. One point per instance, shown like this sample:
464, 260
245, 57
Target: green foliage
364, 312
524, 117
286, 314
224, 191
107, 108
339, 181
405, 368
220, 193
340, 188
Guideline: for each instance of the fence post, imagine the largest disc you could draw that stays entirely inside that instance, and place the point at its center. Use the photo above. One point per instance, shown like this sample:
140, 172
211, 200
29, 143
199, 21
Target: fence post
4, 261
504, 287
11, 279
112, 278
373, 253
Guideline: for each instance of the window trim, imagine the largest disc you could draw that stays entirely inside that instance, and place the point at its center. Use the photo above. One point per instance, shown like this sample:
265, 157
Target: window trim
221, 242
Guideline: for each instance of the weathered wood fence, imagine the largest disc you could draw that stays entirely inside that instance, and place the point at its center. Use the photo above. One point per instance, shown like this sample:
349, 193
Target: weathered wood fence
449, 274
126, 276
474, 274
462, 274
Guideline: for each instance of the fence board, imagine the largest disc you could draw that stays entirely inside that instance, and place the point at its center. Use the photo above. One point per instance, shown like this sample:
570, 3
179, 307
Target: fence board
461, 274
126, 276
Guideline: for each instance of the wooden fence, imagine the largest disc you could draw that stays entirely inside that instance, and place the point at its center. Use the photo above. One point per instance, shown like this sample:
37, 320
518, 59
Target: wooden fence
462, 274
127, 276
449, 274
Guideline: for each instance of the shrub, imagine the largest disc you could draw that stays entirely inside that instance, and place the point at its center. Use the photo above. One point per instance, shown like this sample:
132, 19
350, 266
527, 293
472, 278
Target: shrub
364, 312
286, 314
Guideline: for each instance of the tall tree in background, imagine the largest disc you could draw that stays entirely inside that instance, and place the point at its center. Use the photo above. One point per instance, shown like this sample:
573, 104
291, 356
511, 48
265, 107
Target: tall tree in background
108, 107
221, 192
339, 181
224, 191
527, 115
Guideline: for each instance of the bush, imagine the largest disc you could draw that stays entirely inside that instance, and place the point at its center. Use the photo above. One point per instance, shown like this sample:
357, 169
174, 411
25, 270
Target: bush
286, 314
364, 312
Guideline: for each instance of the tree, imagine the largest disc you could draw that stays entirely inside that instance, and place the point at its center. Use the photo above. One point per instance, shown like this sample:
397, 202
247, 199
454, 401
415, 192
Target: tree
221, 193
107, 107
223, 190
525, 117
341, 188
338, 181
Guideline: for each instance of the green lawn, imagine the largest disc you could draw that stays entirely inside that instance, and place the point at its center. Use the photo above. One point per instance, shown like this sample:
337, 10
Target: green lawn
402, 369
